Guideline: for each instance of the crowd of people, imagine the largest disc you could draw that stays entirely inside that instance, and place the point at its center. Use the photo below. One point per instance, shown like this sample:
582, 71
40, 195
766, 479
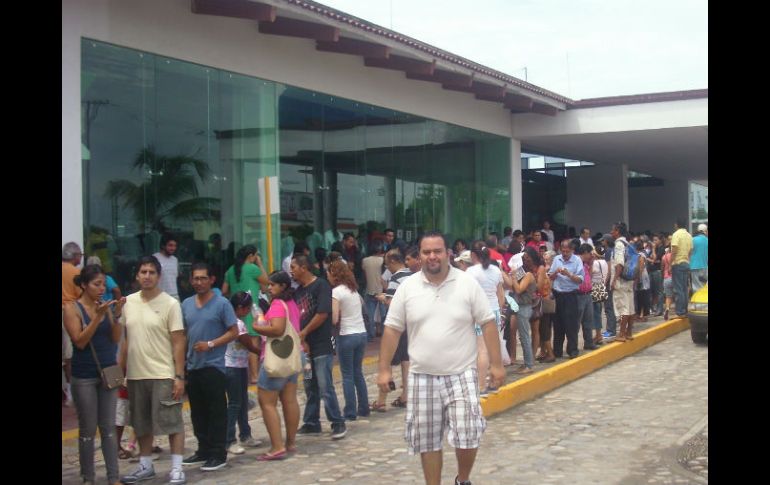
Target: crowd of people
417, 297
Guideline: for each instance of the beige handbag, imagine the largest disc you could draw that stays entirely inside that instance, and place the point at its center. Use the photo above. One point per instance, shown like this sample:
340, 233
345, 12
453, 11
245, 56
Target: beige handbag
282, 357
112, 376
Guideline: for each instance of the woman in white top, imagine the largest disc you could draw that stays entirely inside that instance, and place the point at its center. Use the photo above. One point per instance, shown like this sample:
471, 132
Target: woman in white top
347, 313
490, 278
599, 274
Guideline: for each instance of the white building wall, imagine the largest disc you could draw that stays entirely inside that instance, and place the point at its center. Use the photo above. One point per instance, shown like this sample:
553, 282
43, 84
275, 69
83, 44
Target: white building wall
657, 208
71, 172
169, 28
597, 197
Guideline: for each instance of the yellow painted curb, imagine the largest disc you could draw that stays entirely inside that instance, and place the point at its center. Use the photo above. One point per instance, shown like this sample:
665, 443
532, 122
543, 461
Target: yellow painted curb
72, 434
546, 380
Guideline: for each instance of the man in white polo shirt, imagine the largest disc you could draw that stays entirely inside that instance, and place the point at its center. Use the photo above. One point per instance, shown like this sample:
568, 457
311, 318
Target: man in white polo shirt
441, 304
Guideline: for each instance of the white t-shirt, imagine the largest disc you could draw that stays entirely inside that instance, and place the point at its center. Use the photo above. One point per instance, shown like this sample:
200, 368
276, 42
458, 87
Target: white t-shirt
588, 241
168, 274
442, 338
599, 271
351, 318
236, 354
488, 279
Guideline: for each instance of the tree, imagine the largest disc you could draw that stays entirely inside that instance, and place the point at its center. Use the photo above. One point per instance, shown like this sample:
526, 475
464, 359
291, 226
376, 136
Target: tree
169, 192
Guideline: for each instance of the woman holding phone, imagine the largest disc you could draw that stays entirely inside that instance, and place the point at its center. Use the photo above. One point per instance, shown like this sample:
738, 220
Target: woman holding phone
94, 330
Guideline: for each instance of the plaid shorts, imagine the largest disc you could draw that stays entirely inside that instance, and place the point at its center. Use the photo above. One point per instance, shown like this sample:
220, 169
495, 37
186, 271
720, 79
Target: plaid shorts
439, 403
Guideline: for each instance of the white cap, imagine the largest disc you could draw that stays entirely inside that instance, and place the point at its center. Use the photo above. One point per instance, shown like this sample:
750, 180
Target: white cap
703, 228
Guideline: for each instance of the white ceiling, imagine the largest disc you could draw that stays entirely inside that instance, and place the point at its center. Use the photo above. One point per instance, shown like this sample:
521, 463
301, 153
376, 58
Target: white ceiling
669, 153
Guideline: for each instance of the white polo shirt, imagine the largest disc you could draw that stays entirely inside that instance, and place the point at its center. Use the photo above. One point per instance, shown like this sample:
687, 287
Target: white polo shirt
442, 339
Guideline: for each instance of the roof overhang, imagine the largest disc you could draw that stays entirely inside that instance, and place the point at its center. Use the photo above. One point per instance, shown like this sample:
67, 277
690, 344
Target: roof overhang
380, 48
665, 139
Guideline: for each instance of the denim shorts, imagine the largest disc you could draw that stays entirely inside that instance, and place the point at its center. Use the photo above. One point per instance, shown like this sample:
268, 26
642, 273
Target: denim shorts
273, 383
668, 287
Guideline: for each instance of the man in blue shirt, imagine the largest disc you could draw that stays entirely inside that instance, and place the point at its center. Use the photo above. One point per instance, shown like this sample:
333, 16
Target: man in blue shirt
699, 261
210, 324
566, 273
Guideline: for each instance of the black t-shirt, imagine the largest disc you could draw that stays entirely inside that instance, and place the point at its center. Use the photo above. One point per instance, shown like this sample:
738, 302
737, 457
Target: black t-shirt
311, 299
660, 251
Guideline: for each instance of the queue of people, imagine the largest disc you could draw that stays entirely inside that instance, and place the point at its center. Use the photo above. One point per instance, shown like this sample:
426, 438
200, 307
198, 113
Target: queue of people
419, 298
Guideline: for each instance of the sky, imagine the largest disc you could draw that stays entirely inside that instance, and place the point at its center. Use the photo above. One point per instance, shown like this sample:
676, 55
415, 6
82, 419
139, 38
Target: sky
577, 48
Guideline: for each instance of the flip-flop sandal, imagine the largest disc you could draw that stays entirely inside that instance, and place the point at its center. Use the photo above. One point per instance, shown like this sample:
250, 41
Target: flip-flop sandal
398, 403
278, 455
375, 406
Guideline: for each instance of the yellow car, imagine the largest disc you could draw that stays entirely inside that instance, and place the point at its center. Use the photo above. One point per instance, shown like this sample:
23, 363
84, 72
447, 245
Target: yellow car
698, 313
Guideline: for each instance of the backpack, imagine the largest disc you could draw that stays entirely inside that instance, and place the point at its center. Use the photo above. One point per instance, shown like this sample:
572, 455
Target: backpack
630, 263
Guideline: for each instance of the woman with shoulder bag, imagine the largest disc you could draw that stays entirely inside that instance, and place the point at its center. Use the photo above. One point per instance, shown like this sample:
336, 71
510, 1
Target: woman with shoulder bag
548, 310
95, 333
347, 313
541, 280
524, 293
283, 311
599, 274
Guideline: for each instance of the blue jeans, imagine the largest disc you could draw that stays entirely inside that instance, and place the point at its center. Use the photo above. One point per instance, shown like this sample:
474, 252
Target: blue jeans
237, 403
609, 310
656, 287
351, 354
598, 316
321, 386
525, 333
585, 317
699, 278
371, 307
679, 274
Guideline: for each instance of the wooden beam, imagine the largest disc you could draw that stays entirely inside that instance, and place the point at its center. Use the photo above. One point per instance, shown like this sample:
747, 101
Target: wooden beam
300, 28
400, 63
517, 102
489, 92
347, 45
444, 77
241, 9
544, 109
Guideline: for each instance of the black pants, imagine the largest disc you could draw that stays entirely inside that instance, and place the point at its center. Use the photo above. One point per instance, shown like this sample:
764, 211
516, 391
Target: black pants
208, 411
566, 323
642, 302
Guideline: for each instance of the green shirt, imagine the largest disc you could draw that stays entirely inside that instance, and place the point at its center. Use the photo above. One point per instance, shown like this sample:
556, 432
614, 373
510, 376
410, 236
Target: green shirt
249, 274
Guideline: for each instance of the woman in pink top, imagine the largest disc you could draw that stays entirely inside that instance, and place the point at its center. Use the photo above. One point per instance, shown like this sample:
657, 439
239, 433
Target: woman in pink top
271, 388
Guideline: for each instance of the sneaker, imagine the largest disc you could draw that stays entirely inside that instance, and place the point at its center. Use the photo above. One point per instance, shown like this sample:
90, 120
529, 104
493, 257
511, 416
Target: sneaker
251, 442
305, 429
194, 459
176, 477
607, 334
236, 449
139, 474
338, 431
213, 464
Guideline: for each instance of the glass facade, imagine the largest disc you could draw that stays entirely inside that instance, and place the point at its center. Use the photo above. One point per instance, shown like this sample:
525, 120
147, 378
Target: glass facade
175, 146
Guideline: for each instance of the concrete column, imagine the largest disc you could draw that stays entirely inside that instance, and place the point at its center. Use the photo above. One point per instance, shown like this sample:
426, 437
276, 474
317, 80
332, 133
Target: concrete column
657, 208
71, 152
597, 196
516, 189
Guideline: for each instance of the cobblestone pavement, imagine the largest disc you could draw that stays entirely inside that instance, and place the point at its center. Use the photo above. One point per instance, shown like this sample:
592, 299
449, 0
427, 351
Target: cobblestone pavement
616, 425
